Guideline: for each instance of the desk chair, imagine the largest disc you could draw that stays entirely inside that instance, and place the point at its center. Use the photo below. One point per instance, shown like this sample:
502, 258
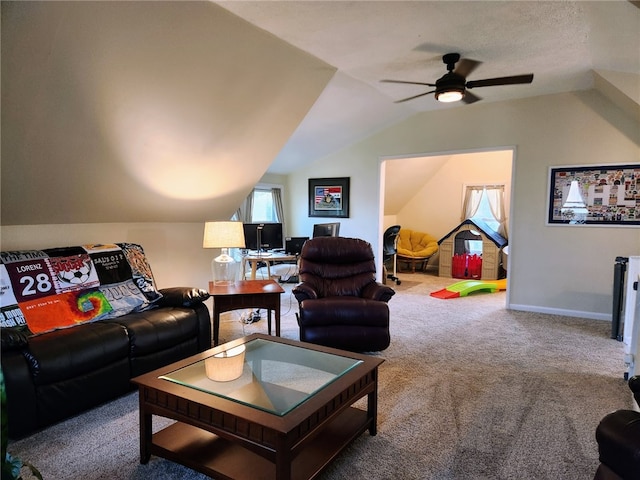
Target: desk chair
390, 251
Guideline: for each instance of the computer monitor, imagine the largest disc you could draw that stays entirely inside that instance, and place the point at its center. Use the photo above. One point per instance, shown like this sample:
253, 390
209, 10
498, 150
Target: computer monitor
293, 245
326, 229
270, 236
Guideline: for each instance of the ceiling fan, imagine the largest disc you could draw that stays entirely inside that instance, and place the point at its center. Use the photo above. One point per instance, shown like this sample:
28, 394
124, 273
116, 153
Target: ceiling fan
453, 85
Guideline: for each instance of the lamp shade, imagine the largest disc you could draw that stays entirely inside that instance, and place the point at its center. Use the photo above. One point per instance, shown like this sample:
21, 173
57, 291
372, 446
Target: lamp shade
227, 365
223, 235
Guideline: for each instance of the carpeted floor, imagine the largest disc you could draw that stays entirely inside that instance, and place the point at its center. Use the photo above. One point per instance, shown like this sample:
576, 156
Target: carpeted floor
468, 390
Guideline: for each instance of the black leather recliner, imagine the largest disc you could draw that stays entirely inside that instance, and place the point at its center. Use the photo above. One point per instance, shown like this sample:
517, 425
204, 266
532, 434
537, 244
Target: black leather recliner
341, 303
618, 437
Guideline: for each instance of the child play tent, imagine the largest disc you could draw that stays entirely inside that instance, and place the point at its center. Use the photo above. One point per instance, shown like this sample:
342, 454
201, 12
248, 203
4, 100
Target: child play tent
455, 252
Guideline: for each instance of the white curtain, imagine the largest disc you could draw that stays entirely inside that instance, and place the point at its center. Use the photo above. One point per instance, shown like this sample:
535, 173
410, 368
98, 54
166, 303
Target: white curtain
243, 214
277, 206
471, 203
496, 202
495, 198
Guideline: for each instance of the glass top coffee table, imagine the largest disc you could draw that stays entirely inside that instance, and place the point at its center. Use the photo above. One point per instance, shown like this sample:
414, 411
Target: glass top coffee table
260, 407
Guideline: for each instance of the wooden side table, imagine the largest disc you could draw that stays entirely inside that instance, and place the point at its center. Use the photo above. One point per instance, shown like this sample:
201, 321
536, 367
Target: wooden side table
245, 294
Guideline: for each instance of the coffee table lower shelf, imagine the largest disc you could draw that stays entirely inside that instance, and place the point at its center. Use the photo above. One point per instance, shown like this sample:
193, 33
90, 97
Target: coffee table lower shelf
219, 458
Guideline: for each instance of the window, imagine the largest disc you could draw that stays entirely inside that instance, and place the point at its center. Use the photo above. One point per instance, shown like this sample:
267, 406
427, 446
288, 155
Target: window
263, 208
486, 204
262, 205
484, 213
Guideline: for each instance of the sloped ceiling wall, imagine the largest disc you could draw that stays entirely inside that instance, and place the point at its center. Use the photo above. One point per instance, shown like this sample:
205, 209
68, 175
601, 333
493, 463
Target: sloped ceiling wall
142, 111
404, 179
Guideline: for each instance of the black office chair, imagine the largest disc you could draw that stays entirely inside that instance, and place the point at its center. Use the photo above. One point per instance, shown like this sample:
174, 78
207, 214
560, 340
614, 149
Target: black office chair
389, 251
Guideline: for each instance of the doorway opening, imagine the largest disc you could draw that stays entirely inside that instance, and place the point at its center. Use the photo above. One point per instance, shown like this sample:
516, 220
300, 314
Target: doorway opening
425, 192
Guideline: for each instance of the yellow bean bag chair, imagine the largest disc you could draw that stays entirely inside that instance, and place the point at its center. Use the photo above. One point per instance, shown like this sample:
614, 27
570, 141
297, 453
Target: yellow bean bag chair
415, 248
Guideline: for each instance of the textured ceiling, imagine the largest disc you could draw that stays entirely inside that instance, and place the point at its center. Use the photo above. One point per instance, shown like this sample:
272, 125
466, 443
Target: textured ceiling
561, 42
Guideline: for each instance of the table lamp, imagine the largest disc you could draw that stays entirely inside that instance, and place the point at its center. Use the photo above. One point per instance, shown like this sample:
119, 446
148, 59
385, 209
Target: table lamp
223, 235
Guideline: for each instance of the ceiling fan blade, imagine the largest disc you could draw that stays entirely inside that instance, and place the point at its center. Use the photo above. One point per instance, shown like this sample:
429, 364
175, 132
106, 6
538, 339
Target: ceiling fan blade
466, 66
470, 97
415, 96
491, 82
410, 83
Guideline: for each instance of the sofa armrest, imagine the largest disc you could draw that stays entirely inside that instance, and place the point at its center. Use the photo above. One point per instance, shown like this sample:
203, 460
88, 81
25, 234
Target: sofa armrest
304, 291
21, 395
618, 437
14, 338
634, 385
182, 297
378, 291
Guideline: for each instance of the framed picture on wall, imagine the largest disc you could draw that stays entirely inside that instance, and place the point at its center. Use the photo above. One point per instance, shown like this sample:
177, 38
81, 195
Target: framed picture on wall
594, 195
329, 197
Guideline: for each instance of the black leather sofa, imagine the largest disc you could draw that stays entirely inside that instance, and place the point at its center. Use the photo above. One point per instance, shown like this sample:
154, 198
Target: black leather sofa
618, 437
56, 374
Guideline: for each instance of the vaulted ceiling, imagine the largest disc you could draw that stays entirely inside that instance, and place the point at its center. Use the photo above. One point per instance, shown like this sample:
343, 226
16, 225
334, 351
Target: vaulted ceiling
568, 45
142, 111
172, 110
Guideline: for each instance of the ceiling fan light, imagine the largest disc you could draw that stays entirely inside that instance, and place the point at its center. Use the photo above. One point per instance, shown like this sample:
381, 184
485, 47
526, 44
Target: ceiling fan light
449, 96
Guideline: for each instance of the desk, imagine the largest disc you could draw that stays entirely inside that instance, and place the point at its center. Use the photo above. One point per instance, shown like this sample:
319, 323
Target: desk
245, 294
267, 259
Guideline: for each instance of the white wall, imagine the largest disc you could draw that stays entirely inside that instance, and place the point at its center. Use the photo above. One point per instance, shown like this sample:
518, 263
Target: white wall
389, 220
558, 269
363, 221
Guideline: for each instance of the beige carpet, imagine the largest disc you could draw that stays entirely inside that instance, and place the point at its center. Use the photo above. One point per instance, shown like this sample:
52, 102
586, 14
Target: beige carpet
468, 390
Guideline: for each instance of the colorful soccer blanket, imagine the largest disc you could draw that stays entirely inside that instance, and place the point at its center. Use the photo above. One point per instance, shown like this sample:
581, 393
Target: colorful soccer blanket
61, 287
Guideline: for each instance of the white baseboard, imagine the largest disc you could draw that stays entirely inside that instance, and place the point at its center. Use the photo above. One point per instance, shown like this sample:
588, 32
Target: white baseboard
560, 311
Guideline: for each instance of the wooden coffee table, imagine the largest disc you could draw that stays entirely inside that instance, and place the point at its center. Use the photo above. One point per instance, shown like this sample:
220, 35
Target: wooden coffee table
246, 294
286, 417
